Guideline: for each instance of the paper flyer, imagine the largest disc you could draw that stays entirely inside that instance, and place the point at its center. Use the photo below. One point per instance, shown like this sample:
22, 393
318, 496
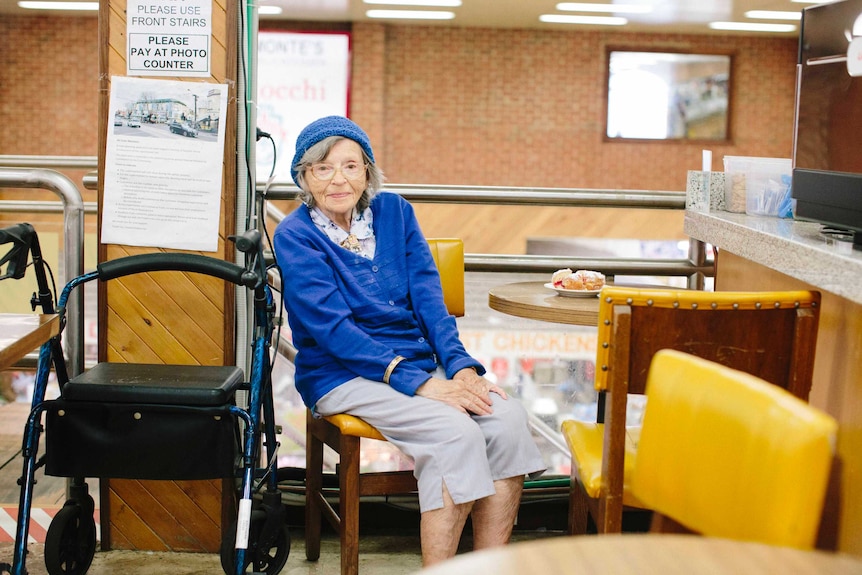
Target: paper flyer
163, 165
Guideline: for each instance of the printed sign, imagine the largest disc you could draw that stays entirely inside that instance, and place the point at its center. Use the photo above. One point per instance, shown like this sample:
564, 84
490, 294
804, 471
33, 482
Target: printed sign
168, 37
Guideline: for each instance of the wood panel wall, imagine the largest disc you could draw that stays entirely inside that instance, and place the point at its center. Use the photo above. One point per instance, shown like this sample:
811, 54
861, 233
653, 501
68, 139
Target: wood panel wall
169, 318
836, 388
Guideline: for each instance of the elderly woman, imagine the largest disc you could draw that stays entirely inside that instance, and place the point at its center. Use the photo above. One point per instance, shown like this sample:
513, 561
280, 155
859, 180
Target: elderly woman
375, 340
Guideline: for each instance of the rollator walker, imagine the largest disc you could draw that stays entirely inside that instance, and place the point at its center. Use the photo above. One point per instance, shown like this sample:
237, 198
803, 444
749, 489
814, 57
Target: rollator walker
165, 422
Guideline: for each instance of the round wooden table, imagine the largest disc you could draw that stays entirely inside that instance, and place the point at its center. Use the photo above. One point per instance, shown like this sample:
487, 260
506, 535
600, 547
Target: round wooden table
532, 300
645, 554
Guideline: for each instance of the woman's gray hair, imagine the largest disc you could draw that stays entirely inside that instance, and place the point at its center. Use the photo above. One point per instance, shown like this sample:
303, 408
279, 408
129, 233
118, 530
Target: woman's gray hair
317, 153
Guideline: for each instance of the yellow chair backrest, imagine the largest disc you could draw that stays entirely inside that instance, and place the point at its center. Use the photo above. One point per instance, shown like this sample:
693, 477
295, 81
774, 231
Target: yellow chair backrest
449, 256
727, 454
768, 334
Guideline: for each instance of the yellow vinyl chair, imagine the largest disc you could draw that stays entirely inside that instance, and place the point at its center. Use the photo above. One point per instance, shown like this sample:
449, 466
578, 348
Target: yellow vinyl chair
725, 454
771, 335
343, 433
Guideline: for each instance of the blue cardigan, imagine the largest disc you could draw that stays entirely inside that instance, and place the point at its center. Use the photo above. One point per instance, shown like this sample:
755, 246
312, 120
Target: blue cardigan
351, 316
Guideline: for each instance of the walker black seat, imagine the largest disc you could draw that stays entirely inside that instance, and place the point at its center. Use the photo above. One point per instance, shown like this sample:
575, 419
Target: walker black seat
200, 385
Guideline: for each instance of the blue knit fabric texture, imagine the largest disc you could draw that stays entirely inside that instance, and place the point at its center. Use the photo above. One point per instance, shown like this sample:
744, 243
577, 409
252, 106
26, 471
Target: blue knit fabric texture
322, 129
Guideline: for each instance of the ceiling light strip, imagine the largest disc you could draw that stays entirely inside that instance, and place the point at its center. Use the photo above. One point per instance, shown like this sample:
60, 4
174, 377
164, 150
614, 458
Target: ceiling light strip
411, 14
426, 3
575, 19
752, 27
612, 8
34, 5
773, 15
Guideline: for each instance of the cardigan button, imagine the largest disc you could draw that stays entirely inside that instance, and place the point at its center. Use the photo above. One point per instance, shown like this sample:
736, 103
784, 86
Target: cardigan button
374, 268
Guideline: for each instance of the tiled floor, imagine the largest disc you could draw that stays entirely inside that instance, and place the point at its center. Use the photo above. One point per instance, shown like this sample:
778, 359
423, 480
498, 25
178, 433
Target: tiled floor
379, 554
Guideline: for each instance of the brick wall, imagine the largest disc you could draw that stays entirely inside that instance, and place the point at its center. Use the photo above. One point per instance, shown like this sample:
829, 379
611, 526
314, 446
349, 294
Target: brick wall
526, 107
441, 104
49, 82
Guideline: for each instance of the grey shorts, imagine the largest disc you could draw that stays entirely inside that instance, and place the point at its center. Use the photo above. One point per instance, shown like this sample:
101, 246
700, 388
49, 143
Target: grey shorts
467, 453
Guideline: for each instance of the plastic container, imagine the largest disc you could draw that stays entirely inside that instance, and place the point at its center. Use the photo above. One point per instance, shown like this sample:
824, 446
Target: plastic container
735, 168
768, 192
758, 186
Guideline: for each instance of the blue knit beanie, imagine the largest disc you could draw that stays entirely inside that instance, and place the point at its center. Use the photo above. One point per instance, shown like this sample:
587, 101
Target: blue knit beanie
323, 128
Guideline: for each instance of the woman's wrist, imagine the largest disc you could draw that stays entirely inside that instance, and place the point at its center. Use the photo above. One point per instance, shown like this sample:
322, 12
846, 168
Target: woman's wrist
466, 371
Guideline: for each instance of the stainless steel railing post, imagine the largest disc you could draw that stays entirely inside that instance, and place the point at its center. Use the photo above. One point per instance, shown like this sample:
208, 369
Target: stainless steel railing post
73, 246
697, 257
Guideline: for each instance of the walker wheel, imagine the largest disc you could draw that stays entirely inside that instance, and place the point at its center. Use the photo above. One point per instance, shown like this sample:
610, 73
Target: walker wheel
269, 561
71, 541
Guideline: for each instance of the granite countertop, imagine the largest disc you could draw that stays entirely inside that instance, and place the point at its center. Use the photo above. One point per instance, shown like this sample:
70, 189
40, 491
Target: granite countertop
795, 248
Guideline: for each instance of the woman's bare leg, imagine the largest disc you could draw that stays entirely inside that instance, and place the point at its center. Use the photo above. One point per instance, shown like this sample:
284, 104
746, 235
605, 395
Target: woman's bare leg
440, 529
494, 516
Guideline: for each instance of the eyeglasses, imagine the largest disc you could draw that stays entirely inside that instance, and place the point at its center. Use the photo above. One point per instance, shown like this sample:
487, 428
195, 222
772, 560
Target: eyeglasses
350, 170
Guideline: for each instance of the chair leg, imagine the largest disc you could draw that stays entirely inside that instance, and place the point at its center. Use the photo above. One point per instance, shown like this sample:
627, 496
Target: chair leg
349, 504
610, 515
313, 490
578, 509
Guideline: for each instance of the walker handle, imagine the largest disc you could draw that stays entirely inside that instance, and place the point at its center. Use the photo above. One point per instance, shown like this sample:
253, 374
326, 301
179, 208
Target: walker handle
22, 237
181, 262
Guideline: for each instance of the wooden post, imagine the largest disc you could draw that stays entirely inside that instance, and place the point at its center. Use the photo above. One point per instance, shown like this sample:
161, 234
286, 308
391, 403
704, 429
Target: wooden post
167, 318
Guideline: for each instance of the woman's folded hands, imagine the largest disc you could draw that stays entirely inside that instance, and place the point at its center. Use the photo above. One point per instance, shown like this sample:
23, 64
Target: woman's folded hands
467, 391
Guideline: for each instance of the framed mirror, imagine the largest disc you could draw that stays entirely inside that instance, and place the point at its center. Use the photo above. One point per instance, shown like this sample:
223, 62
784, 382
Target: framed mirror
668, 96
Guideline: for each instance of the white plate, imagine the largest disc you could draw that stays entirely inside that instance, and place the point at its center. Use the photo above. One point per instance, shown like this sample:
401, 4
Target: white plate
573, 292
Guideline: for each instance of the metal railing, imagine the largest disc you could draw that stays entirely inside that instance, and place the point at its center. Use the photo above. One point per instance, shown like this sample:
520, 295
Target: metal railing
77, 162
32, 172
695, 267
73, 242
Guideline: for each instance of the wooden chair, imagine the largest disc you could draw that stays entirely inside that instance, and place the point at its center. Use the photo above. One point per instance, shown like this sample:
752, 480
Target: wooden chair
343, 434
725, 454
771, 335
